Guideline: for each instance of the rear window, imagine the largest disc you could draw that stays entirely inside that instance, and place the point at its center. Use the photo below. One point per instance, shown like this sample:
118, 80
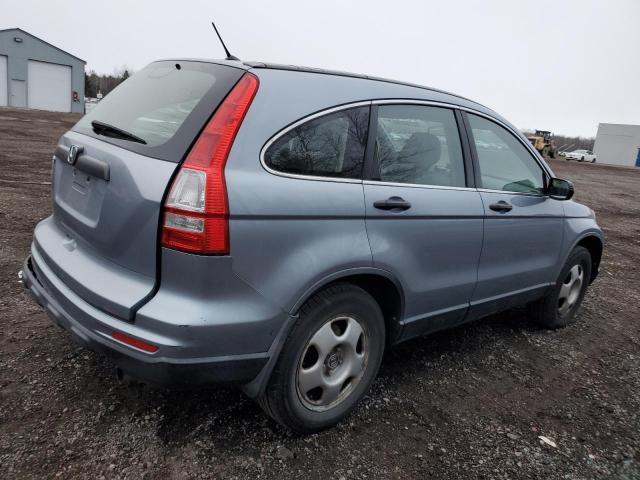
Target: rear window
165, 104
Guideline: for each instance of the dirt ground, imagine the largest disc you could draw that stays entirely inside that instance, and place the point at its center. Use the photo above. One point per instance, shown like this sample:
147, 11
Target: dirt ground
466, 403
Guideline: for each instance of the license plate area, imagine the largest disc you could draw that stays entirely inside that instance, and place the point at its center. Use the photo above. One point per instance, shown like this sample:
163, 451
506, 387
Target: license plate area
79, 194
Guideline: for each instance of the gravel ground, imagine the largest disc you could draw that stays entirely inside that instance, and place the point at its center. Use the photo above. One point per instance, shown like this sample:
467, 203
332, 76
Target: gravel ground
467, 403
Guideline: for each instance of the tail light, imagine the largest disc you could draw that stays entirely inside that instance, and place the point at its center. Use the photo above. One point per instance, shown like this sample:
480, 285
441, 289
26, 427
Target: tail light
196, 212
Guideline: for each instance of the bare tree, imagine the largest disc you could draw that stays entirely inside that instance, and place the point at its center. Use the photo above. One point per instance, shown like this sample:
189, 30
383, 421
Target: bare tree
103, 83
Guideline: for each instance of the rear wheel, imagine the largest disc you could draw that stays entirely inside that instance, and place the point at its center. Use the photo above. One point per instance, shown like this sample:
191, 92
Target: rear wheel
329, 360
559, 307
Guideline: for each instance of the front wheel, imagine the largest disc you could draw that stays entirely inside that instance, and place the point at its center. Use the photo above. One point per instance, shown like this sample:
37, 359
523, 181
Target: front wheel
329, 360
594, 160
559, 307
582, 159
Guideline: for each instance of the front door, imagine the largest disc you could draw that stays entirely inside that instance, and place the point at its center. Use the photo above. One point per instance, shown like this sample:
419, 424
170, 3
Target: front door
523, 227
424, 225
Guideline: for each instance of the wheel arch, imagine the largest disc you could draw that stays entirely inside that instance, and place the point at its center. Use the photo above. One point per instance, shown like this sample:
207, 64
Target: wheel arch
385, 289
380, 284
594, 244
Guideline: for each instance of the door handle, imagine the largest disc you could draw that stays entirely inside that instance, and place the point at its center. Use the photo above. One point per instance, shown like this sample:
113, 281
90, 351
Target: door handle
392, 203
501, 206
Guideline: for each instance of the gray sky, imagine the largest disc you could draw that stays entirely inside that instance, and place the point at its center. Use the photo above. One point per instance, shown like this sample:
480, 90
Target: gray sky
561, 65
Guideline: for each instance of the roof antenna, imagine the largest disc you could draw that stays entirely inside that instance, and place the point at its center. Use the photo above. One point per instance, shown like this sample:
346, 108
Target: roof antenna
229, 56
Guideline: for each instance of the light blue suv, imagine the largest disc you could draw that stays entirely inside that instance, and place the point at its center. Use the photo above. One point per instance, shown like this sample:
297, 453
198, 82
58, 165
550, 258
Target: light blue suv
278, 227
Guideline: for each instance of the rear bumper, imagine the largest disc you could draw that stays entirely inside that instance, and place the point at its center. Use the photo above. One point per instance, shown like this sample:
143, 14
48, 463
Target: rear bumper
169, 366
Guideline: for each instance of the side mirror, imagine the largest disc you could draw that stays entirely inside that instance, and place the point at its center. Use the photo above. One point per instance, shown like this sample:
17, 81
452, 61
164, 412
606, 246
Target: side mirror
559, 189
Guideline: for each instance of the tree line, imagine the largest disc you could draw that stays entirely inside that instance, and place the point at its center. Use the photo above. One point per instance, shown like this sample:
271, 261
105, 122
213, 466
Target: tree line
95, 83
573, 143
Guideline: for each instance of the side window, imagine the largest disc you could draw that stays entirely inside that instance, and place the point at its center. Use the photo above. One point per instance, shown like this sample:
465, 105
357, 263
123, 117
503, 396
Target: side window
329, 146
419, 144
505, 164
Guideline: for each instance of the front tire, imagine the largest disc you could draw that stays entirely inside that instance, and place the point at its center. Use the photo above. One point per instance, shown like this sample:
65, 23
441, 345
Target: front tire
329, 361
558, 309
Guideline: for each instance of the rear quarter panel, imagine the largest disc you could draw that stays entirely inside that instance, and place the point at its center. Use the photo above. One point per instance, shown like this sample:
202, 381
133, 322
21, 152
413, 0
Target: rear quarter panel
288, 234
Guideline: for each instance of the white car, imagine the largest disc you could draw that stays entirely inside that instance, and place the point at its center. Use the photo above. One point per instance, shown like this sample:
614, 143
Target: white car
581, 156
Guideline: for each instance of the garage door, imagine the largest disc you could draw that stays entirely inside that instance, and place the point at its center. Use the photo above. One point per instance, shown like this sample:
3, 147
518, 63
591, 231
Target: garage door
49, 86
3, 81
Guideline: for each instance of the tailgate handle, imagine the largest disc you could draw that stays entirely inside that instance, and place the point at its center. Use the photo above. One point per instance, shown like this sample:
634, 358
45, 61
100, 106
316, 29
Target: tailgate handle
93, 166
90, 165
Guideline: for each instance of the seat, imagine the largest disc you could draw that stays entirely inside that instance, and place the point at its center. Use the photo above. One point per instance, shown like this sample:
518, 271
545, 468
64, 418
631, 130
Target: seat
414, 162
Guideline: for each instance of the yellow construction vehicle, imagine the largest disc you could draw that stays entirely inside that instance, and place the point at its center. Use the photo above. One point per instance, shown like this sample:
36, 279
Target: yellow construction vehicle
543, 142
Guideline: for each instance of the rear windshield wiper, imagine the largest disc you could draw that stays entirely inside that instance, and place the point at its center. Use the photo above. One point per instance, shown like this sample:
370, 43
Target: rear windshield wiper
114, 132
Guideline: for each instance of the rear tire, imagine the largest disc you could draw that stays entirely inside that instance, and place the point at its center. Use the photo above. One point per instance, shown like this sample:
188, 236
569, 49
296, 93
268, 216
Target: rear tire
329, 360
558, 309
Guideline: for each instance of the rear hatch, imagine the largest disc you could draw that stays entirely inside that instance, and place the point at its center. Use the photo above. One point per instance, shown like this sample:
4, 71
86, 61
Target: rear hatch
110, 176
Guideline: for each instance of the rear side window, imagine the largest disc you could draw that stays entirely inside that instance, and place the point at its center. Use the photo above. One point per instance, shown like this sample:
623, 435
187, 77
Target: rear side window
165, 104
329, 146
505, 164
420, 145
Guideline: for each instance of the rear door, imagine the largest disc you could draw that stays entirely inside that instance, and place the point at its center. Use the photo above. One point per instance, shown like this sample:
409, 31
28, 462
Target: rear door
523, 227
108, 188
423, 220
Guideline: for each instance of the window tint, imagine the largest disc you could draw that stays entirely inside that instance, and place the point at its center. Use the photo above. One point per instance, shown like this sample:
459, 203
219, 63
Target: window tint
505, 164
329, 146
419, 144
156, 101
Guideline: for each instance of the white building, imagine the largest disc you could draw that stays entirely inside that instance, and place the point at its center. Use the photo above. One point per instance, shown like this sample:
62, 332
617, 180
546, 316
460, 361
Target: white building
618, 144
